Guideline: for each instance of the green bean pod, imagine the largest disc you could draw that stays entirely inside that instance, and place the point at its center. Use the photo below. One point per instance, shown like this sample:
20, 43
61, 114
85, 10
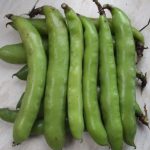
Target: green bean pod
41, 27
138, 36
36, 60
38, 128
9, 115
57, 74
20, 101
126, 72
39, 24
109, 97
16, 54
41, 110
75, 99
92, 114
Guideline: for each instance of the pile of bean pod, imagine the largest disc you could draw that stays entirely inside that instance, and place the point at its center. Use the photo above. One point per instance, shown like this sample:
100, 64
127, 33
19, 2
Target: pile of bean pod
80, 72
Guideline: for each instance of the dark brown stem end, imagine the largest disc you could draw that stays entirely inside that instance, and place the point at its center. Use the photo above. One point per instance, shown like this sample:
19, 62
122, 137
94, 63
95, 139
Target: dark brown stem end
100, 8
34, 12
65, 7
14, 144
144, 118
108, 6
9, 16
8, 23
139, 49
143, 78
145, 25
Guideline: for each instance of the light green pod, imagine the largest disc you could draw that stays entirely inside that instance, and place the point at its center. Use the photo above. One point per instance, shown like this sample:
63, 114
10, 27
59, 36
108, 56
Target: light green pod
109, 97
57, 75
36, 60
92, 114
126, 71
75, 97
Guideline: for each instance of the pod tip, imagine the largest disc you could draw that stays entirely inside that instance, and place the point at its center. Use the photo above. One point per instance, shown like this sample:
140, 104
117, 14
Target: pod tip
134, 145
35, 11
13, 75
95, 1
64, 6
100, 8
14, 144
9, 16
8, 23
107, 6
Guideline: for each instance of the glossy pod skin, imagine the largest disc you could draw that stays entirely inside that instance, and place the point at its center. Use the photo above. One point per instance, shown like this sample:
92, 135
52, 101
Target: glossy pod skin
9, 115
126, 72
40, 114
15, 53
57, 74
39, 24
20, 101
36, 60
4, 114
23, 72
38, 128
92, 114
109, 97
75, 97
138, 36
41, 27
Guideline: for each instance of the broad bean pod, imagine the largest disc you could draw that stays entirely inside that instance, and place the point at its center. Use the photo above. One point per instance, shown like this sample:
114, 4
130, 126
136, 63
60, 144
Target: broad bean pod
92, 113
126, 72
75, 97
57, 74
109, 97
36, 60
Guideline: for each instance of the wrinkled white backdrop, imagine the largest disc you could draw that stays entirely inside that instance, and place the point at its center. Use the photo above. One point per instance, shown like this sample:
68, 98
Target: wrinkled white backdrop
11, 89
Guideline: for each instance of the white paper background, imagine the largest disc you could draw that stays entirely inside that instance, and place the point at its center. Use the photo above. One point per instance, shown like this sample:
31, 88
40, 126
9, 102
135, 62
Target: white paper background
11, 89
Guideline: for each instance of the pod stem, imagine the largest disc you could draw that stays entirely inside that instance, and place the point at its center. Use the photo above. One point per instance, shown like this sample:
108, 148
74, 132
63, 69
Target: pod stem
100, 8
65, 7
35, 11
8, 23
144, 117
139, 49
14, 75
9, 16
143, 78
14, 144
108, 6
145, 25
31, 14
